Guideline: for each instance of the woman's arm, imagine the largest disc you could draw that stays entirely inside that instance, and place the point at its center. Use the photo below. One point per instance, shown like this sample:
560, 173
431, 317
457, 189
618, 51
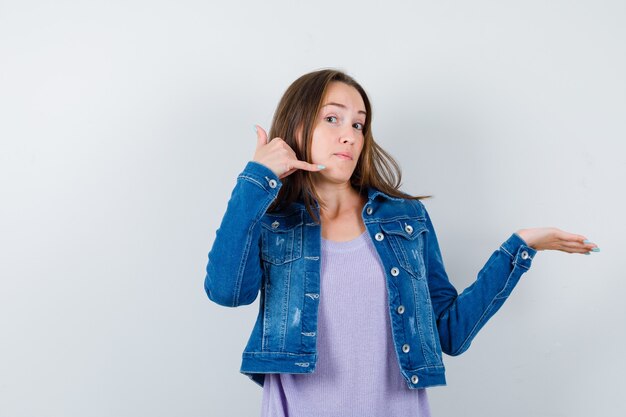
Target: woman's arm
461, 316
233, 272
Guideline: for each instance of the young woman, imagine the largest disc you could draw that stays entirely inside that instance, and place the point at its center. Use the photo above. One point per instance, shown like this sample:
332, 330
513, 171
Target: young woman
355, 304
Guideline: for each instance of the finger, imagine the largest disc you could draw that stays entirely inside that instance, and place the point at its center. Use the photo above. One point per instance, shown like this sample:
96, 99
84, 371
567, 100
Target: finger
573, 246
569, 247
570, 237
261, 136
286, 174
576, 240
570, 250
305, 165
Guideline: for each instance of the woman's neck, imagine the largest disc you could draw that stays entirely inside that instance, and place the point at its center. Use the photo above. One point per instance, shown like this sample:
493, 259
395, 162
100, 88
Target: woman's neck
339, 202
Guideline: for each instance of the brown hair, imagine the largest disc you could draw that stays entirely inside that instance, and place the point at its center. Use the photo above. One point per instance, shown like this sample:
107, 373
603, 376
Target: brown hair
297, 111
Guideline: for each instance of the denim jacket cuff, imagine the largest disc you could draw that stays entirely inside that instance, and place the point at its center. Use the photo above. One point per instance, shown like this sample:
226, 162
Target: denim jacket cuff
261, 176
519, 252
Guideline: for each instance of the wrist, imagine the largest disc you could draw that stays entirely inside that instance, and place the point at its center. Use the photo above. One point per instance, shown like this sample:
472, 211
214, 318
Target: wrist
523, 234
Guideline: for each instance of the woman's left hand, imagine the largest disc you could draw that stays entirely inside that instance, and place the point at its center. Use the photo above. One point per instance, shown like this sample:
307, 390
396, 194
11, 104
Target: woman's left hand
551, 238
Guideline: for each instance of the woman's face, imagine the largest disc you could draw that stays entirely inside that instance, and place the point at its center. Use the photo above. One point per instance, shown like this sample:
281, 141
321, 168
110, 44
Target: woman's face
338, 134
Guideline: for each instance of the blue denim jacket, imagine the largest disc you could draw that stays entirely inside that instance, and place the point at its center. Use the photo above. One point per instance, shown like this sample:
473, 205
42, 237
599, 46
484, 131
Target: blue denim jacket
278, 255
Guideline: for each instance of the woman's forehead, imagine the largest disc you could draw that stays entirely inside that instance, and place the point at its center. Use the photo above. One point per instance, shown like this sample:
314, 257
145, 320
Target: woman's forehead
345, 96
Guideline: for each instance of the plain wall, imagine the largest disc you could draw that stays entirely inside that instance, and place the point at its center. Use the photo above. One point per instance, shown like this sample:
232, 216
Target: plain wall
123, 126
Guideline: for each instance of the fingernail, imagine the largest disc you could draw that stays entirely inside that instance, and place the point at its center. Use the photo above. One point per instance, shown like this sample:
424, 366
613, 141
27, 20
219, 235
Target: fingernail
587, 253
321, 166
595, 250
586, 241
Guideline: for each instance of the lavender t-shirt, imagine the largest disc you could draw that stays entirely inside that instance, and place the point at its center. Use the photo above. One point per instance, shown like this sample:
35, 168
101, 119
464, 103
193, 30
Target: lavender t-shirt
357, 372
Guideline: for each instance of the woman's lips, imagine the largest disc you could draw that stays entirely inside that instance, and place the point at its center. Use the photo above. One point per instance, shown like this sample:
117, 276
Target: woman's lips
342, 156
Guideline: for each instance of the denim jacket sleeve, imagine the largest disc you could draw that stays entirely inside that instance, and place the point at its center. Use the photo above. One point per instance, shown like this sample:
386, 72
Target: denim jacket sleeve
233, 272
461, 316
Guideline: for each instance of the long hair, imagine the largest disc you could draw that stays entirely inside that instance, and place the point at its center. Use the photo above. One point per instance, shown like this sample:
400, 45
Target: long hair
297, 112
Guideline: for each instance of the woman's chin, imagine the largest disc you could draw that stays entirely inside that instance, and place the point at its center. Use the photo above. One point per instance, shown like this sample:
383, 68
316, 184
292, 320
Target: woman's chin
332, 176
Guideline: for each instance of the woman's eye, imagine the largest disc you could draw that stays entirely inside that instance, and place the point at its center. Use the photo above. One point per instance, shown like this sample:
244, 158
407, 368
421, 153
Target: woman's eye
358, 126
331, 119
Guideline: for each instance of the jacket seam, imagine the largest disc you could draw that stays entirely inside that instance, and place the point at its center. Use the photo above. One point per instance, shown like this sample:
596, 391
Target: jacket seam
252, 180
245, 256
472, 333
509, 253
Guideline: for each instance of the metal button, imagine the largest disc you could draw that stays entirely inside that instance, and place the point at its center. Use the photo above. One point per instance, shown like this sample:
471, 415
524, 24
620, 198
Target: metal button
272, 183
400, 309
395, 271
524, 255
414, 379
369, 210
406, 348
275, 225
408, 228
379, 236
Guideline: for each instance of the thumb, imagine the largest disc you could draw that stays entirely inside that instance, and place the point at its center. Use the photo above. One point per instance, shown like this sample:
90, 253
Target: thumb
261, 136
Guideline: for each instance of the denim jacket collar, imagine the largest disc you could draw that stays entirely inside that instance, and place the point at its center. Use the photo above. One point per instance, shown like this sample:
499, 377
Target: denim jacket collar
372, 193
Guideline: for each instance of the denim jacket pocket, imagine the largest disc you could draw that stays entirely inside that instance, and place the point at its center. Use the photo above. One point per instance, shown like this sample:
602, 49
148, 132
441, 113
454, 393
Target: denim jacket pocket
406, 237
281, 238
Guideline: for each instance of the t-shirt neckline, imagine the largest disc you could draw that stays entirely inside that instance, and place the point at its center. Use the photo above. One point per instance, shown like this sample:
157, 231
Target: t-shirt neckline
334, 246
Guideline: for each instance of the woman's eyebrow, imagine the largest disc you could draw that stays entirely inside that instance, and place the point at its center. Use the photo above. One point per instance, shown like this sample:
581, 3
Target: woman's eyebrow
343, 107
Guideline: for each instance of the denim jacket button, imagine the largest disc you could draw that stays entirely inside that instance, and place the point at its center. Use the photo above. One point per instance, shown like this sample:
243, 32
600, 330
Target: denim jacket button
524, 255
369, 210
400, 309
406, 348
275, 225
414, 379
379, 236
272, 183
395, 271
408, 228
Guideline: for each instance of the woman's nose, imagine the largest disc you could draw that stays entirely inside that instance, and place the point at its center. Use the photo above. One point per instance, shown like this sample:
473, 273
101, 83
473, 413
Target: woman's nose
347, 135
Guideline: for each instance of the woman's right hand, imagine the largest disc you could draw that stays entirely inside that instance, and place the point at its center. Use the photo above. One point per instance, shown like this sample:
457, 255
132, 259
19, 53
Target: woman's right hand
278, 156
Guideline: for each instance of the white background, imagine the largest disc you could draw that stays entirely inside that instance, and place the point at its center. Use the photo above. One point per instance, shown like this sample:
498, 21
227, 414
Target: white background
123, 126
